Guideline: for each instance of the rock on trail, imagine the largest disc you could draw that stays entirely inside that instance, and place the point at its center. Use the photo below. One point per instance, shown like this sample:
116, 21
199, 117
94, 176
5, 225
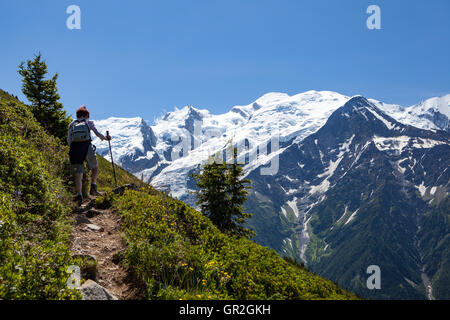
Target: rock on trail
97, 234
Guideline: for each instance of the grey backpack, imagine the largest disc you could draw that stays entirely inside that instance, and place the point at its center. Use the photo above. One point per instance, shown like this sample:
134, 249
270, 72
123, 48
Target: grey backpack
80, 131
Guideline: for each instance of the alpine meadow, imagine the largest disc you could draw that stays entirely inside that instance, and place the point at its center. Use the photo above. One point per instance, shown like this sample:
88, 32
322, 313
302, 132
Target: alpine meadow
216, 159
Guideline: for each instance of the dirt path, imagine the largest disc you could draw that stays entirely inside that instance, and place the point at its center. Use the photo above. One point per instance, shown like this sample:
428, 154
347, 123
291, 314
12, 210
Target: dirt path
97, 234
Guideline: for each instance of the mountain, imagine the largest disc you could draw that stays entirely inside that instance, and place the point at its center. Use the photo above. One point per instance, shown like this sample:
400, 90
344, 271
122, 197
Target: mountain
133, 148
156, 152
253, 125
143, 242
435, 110
363, 190
431, 114
358, 182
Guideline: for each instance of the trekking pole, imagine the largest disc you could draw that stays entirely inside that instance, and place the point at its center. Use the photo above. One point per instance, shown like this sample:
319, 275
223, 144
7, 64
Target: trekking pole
112, 161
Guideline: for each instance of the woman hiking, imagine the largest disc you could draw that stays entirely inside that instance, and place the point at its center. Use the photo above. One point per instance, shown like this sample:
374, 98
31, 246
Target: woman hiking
81, 149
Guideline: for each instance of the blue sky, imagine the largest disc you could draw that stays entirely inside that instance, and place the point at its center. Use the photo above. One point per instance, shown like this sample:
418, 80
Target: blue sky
143, 58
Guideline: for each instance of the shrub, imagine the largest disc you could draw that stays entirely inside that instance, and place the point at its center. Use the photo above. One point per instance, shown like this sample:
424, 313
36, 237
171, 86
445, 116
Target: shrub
177, 253
34, 225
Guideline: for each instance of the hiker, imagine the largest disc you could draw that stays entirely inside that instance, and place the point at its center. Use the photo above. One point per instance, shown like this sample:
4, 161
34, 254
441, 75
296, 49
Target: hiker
82, 149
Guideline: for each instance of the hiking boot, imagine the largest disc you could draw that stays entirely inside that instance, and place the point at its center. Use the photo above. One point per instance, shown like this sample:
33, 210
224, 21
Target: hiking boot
78, 199
94, 191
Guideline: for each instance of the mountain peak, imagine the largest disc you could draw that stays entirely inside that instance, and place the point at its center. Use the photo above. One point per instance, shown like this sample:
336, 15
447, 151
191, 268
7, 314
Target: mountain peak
271, 97
358, 104
358, 101
437, 104
184, 113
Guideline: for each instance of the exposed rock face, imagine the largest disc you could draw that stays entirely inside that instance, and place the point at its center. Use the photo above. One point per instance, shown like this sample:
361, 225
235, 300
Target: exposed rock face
359, 181
439, 119
364, 189
132, 143
91, 290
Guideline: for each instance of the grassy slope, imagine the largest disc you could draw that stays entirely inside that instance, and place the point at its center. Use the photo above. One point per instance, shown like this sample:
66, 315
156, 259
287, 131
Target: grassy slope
106, 177
175, 251
105, 180
34, 227
35, 206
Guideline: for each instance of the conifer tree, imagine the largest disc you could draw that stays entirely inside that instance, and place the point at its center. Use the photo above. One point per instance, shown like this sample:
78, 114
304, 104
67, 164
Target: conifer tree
212, 196
221, 195
237, 190
44, 98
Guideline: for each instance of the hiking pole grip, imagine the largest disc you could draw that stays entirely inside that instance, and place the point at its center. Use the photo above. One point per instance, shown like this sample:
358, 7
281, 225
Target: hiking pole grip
112, 161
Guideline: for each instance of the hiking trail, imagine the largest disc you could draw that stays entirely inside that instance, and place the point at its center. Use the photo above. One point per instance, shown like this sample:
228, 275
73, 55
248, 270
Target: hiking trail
97, 235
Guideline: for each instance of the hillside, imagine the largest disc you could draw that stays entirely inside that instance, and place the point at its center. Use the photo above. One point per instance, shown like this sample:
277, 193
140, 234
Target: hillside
177, 253
344, 182
173, 251
364, 189
34, 224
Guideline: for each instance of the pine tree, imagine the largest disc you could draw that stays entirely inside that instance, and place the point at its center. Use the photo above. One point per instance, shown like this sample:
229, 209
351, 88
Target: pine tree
221, 195
44, 98
237, 189
212, 196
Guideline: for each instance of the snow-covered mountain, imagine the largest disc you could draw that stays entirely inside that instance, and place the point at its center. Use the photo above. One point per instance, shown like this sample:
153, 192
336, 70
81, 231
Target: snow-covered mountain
252, 126
157, 152
166, 152
364, 189
430, 114
133, 144
347, 168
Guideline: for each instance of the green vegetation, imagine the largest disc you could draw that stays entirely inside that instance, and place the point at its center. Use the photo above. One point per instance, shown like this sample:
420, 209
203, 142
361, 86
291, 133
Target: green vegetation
435, 239
105, 178
221, 195
44, 97
35, 203
34, 227
281, 227
174, 251
177, 253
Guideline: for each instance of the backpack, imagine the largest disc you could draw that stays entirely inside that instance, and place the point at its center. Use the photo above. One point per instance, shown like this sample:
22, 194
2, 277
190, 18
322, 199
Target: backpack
80, 131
